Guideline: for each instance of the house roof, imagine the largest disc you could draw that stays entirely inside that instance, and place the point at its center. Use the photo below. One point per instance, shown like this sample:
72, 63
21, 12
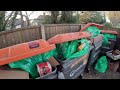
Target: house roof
42, 16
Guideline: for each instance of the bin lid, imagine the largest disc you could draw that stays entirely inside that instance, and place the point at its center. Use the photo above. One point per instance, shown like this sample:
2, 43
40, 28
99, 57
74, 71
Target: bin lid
24, 50
109, 31
68, 37
91, 24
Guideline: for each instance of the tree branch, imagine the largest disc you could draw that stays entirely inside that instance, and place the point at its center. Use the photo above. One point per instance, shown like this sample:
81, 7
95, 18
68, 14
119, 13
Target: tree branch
13, 19
29, 14
22, 22
6, 21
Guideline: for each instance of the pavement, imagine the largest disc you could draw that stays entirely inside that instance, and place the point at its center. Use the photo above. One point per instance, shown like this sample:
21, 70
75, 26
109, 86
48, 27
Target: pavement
93, 74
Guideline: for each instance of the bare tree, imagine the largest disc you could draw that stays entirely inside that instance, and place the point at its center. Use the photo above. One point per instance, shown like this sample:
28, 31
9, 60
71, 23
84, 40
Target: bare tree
8, 19
13, 19
27, 17
4, 20
22, 21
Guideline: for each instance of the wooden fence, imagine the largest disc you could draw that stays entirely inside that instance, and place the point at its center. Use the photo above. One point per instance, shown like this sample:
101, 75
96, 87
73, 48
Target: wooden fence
16, 36
52, 30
